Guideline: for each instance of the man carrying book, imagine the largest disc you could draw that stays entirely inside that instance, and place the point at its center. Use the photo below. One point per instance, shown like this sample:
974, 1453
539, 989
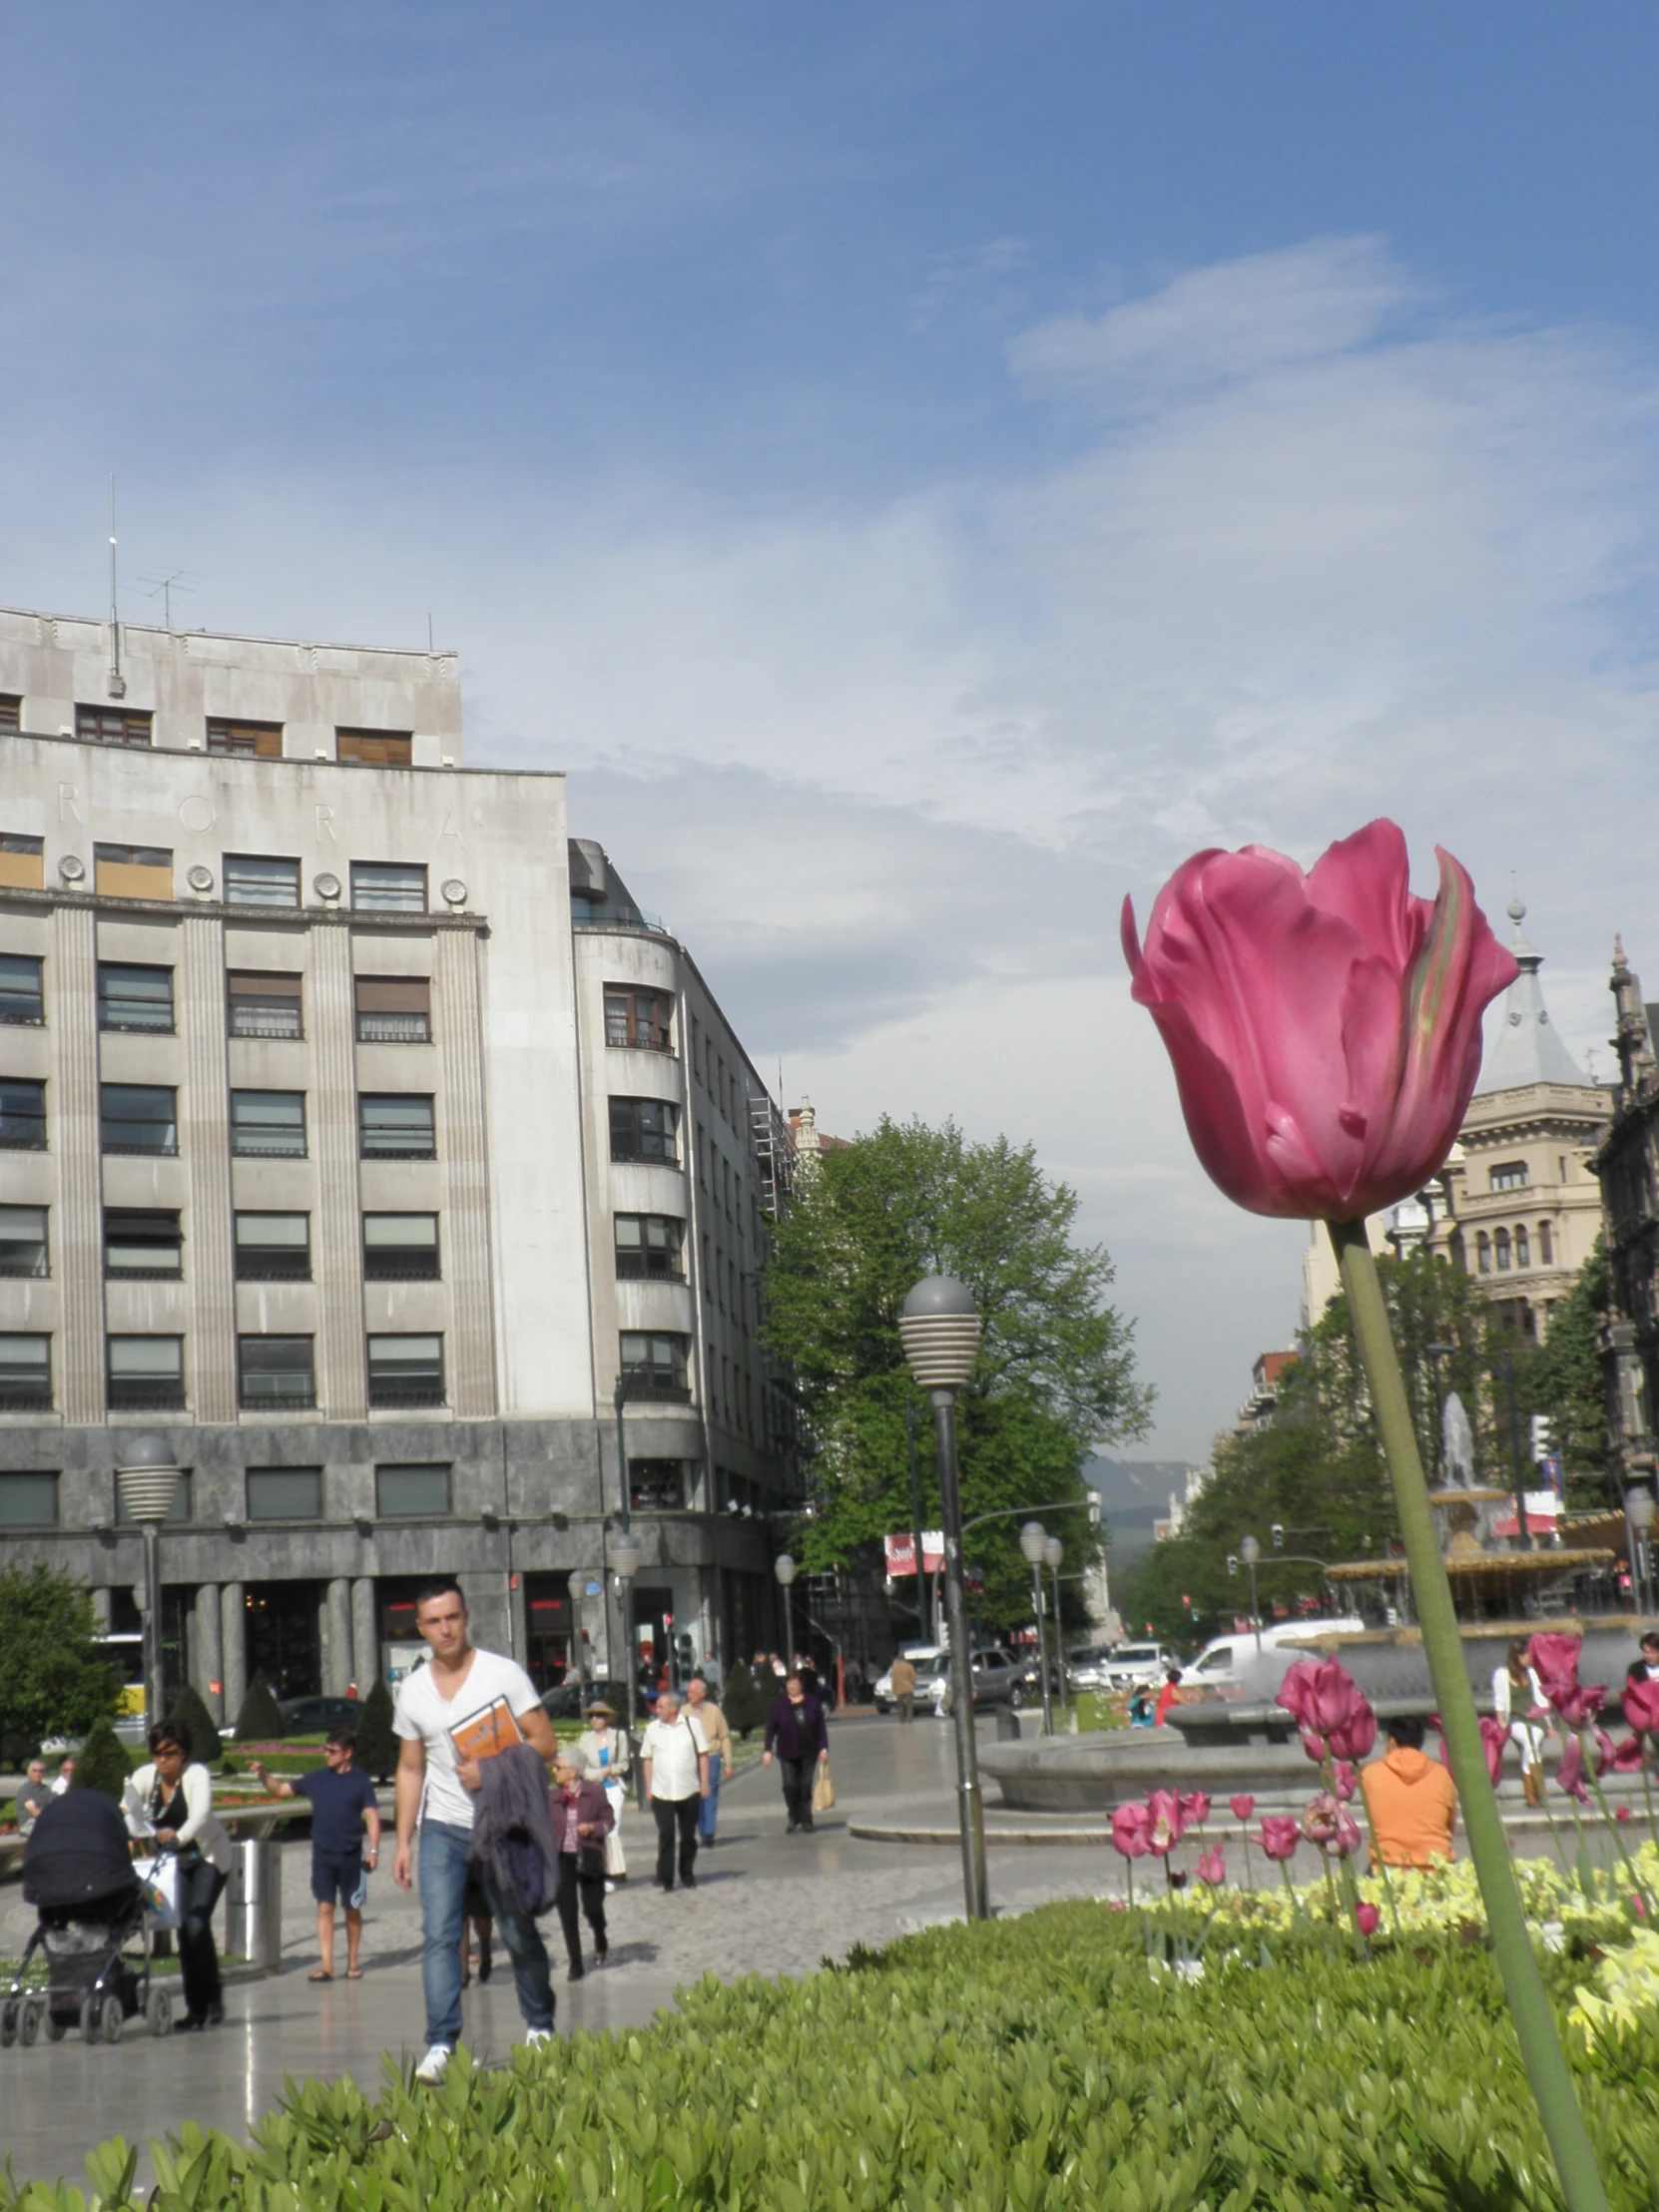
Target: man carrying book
452, 1713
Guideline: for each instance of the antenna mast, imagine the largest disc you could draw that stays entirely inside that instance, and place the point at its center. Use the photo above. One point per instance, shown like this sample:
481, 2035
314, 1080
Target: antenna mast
118, 682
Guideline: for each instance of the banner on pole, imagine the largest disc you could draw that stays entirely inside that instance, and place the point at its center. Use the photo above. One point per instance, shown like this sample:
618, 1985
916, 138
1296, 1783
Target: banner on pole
901, 1554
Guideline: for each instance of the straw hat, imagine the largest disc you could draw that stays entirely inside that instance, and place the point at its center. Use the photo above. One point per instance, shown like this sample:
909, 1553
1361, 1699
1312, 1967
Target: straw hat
599, 1711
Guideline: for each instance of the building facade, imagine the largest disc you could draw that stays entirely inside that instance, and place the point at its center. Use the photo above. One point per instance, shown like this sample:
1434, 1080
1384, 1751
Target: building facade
363, 1137
1628, 1165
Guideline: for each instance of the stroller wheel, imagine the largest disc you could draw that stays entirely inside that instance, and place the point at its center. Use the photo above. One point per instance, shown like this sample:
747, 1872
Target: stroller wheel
89, 2020
113, 2017
28, 2027
56, 2024
8, 2024
159, 2012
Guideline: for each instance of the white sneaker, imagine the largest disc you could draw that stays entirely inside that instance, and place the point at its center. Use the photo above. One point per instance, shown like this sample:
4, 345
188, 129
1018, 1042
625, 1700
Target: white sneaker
434, 2066
535, 2037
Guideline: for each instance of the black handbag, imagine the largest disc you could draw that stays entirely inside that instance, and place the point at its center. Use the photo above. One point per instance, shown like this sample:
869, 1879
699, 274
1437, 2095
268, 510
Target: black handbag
590, 1860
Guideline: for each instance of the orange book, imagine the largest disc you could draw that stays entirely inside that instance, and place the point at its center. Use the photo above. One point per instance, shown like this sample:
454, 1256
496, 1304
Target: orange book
482, 1734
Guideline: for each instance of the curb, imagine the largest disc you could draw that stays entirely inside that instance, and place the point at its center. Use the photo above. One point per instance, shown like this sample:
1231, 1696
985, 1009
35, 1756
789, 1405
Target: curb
1214, 1831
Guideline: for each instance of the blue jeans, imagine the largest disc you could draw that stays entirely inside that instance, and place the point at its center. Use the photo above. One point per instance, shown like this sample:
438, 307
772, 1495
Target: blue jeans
444, 1851
711, 1803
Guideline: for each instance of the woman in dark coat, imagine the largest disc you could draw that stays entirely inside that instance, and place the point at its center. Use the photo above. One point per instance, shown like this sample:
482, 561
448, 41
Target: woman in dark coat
797, 1727
582, 1819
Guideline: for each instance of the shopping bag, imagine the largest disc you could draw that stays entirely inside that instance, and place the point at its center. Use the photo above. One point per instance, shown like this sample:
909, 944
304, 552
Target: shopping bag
159, 1880
616, 1861
824, 1790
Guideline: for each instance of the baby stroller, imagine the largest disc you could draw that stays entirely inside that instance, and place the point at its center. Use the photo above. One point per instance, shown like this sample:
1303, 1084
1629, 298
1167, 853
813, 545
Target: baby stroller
77, 1873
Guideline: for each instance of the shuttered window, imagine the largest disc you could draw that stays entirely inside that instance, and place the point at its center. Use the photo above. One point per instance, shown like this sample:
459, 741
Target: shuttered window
375, 747
394, 1009
264, 1004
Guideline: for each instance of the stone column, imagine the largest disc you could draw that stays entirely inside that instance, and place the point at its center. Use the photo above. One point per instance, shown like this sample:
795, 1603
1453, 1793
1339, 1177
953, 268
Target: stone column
209, 1651
232, 1618
337, 1248
206, 1141
337, 1641
470, 1352
365, 1634
74, 1138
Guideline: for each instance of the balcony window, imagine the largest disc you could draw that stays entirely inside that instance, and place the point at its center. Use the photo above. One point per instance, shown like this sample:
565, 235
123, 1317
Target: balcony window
113, 725
267, 1125
245, 741
273, 1248
131, 872
257, 880
284, 1494
146, 1373
1511, 1176
396, 1125
405, 1371
1484, 1253
645, 1129
1524, 1247
139, 1117
22, 1001
181, 1512
1546, 1245
419, 1492
29, 1500
11, 709
654, 1365
650, 1246
401, 1247
277, 1374
658, 1485
264, 1004
25, 1374
375, 747
1500, 1243
387, 887
22, 860
22, 1115
641, 1018
23, 1248
394, 1009
135, 998
143, 1243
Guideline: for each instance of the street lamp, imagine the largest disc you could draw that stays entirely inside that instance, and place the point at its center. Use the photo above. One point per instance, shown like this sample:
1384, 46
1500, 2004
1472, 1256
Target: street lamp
1249, 1551
1055, 1551
939, 1329
785, 1569
148, 1481
625, 1564
1033, 1542
1639, 1510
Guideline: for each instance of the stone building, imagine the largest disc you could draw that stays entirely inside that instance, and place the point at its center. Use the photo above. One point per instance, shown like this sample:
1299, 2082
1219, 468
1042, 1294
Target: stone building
360, 1135
1628, 1165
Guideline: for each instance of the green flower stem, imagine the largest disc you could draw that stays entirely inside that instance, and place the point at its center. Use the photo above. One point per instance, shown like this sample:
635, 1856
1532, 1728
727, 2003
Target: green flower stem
1617, 1834
1529, 2008
1647, 1792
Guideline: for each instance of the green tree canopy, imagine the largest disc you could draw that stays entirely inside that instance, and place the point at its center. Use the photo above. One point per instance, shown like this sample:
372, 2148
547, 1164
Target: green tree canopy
1056, 1372
55, 1677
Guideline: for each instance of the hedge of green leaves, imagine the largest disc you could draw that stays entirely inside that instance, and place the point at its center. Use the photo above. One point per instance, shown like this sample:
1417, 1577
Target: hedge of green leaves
1033, 2064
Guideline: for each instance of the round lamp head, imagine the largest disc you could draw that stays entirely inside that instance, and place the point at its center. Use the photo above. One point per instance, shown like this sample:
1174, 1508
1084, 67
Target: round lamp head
1639, 1506
578, 1585
625, 1555
147, 1479
1249, 1551
1055, 1551
1033, 1542
784, 1568
940, 1328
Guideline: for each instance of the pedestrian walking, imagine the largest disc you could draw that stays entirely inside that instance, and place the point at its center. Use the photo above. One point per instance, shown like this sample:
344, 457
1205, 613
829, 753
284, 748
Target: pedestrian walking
902, 1677
717, 1737
609, 1763
33, 1796
676, 1762
581, 1822
797, 1727
479, 1694
172, 1801
342, 1805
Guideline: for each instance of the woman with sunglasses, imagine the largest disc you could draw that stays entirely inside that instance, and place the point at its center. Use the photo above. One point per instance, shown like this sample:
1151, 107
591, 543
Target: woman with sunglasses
170, 1803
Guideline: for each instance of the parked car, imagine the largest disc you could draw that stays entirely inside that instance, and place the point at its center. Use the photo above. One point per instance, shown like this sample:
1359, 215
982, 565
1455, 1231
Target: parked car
313, 1716
1132, 1664
927, 1659
568, 1701
1227, 1660
1086, 1666
998, 1679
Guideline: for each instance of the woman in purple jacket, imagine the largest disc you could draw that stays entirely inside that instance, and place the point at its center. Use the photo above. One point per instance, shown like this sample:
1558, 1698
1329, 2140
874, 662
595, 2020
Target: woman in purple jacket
796, 1725
582, 1819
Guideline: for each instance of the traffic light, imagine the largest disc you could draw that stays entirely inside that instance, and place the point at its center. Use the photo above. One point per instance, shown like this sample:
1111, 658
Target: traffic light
1279, 1535
1231, 1562
1542, 1446
685, 1656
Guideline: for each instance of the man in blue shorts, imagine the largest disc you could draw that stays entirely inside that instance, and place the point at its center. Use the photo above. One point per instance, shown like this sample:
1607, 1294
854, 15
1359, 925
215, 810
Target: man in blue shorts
343, 1806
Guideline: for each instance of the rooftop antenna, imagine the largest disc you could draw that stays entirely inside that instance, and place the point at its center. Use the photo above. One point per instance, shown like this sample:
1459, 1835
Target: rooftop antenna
428, 629
179, 580
118, 682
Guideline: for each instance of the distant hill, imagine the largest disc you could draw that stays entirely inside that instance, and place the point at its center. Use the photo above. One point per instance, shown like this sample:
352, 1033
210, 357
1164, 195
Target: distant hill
1133, 1494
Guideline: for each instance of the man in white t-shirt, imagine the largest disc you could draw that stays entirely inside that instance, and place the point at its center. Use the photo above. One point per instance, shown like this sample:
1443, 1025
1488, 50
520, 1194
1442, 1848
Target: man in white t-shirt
436, 1789
675, 1754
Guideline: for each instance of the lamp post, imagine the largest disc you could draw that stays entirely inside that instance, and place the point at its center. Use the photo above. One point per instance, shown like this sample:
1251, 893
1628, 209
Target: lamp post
939, 1329
1249, 1551
1638, 1512
784, 1568
148, 1481
1033, 1542
1055, 1551
625, 1564
923, 1622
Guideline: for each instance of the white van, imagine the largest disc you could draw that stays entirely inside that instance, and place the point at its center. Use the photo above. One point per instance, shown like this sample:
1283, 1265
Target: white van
1229, 1661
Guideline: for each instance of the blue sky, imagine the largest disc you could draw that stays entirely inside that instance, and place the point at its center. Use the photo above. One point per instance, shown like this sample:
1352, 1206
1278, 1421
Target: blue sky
921, 469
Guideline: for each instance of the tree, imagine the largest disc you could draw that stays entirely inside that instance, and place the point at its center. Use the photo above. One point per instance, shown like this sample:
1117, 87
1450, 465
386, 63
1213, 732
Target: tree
260, 1720
1568, 1384
742, 1703
1055, 1376
193, 1716
102, 1763
55, 1677
376, 1739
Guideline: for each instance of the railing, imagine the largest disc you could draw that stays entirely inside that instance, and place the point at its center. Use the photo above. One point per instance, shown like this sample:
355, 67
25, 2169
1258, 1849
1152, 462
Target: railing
637, 1267
131, 1394
391, 1391
616, 917
147, 1021
26, 1397
25, 1263
374, 1149
244, 1146
23, 1133
174, 1274
395, 1029
23, 1013
262, 1021
267, 1394
274, 1267
405, 1266
129, 1136
650, 1390
630, 1153
626, 1043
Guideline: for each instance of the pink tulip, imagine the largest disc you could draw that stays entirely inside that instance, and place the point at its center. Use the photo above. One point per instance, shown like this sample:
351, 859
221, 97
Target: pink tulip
1241, 1806
1279, 1835
1639, 1905
1623, 1758
1318, 1822
1212, 1868
1621, 1811
1325, 1029
1164, 1810
1575, 1705
1354, 1738
1348, 1839
1321, 1698
1195, 1809
1493, 1737
1366, 1919
1131, 1830
1344, 1780
1554, 1658
1641, 1707
1569, 1774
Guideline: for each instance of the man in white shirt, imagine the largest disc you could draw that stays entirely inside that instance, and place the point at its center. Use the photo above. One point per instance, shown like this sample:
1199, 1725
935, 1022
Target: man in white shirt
436, 1789
674, 1756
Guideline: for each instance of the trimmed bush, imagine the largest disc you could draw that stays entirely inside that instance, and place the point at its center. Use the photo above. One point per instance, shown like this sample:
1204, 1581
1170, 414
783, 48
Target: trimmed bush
190, 1711
377, 1744
742, 1703
258, 1722
102, 1763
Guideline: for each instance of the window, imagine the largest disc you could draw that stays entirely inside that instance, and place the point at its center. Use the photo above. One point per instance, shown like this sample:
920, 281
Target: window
131, 872
28, 1501
273, 1248
284, 1494
183, 1510
650, 1245
1511, 1176
22, 1001
277, 1374
1501, 1245
22, 1115
658, 1485
22, 860
396, 1125
139, 999
405, 1371
1484, 1253
394, 1009
1546, 1245
267, 1125
146, 1373
245, 741
643, 1019
23, 1240
387, 887
113, 725
143, 1243
401, 1247
1524, 1247
375, 747
137, 1117
411, 1492
11, 711
25, 1374
645, 1129
264, 1004
257, 880
653, 1365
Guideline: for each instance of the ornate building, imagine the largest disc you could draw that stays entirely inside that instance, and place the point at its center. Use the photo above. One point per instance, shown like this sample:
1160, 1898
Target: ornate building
1630, 1207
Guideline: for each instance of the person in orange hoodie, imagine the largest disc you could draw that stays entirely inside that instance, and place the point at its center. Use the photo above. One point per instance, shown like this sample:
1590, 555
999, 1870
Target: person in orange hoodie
1411, 1800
